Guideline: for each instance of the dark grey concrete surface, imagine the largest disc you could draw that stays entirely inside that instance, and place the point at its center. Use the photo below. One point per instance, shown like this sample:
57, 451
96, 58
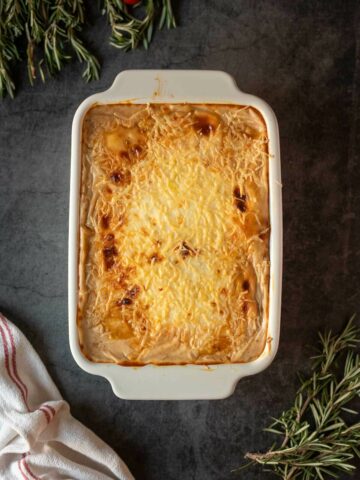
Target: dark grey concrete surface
303, 58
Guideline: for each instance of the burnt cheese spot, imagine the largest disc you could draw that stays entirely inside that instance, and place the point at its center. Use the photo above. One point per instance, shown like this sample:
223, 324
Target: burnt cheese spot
109, 256
205, 124
203, 128
116, 177
155, 257
185, 250
129, 296
240, 200
105, 220
136, 150
125, 155
133, 292
124, 301
109, 237
109, 251
133, 153
121, 177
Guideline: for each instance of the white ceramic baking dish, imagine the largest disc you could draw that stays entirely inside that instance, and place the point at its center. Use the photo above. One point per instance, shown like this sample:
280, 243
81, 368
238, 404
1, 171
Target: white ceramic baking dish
189, 381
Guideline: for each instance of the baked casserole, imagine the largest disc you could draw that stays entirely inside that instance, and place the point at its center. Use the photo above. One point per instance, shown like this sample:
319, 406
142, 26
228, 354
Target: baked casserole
174, 234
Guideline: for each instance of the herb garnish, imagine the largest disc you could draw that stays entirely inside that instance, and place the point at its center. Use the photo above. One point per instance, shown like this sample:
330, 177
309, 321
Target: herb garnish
318, 440
51, 31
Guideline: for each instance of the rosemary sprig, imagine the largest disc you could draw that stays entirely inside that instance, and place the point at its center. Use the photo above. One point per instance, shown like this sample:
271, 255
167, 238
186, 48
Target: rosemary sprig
11, 27
317, 440
51, 31
128, 31
65, 20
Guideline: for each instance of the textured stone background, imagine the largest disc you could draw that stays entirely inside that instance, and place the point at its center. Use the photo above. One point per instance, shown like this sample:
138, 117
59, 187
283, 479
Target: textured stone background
303, 58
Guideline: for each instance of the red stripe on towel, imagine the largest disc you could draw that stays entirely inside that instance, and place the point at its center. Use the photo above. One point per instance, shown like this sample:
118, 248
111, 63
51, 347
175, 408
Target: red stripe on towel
52, 409
21, 471
7, 364
27, 468
46, 413
13, 356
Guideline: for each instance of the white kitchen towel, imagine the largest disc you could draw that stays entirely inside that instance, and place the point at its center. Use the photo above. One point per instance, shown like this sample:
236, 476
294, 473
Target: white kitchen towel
39, 439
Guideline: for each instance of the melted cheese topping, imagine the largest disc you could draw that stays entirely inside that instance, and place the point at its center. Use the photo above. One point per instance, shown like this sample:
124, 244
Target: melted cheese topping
174, 262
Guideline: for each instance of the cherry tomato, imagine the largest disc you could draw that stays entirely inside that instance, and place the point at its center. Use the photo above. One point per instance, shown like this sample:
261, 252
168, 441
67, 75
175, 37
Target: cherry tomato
131, 2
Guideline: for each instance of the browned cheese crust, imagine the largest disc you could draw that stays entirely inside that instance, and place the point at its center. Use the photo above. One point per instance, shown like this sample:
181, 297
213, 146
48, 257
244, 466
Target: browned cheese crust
174, 234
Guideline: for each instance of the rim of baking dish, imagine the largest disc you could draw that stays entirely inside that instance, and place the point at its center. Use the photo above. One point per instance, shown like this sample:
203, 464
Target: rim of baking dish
178, 382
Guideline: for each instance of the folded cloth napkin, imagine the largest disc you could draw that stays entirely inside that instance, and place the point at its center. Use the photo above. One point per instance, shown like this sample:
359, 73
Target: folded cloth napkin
39, 439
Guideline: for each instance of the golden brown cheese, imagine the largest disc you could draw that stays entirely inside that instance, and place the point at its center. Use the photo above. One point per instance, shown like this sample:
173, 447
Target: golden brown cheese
174, 234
